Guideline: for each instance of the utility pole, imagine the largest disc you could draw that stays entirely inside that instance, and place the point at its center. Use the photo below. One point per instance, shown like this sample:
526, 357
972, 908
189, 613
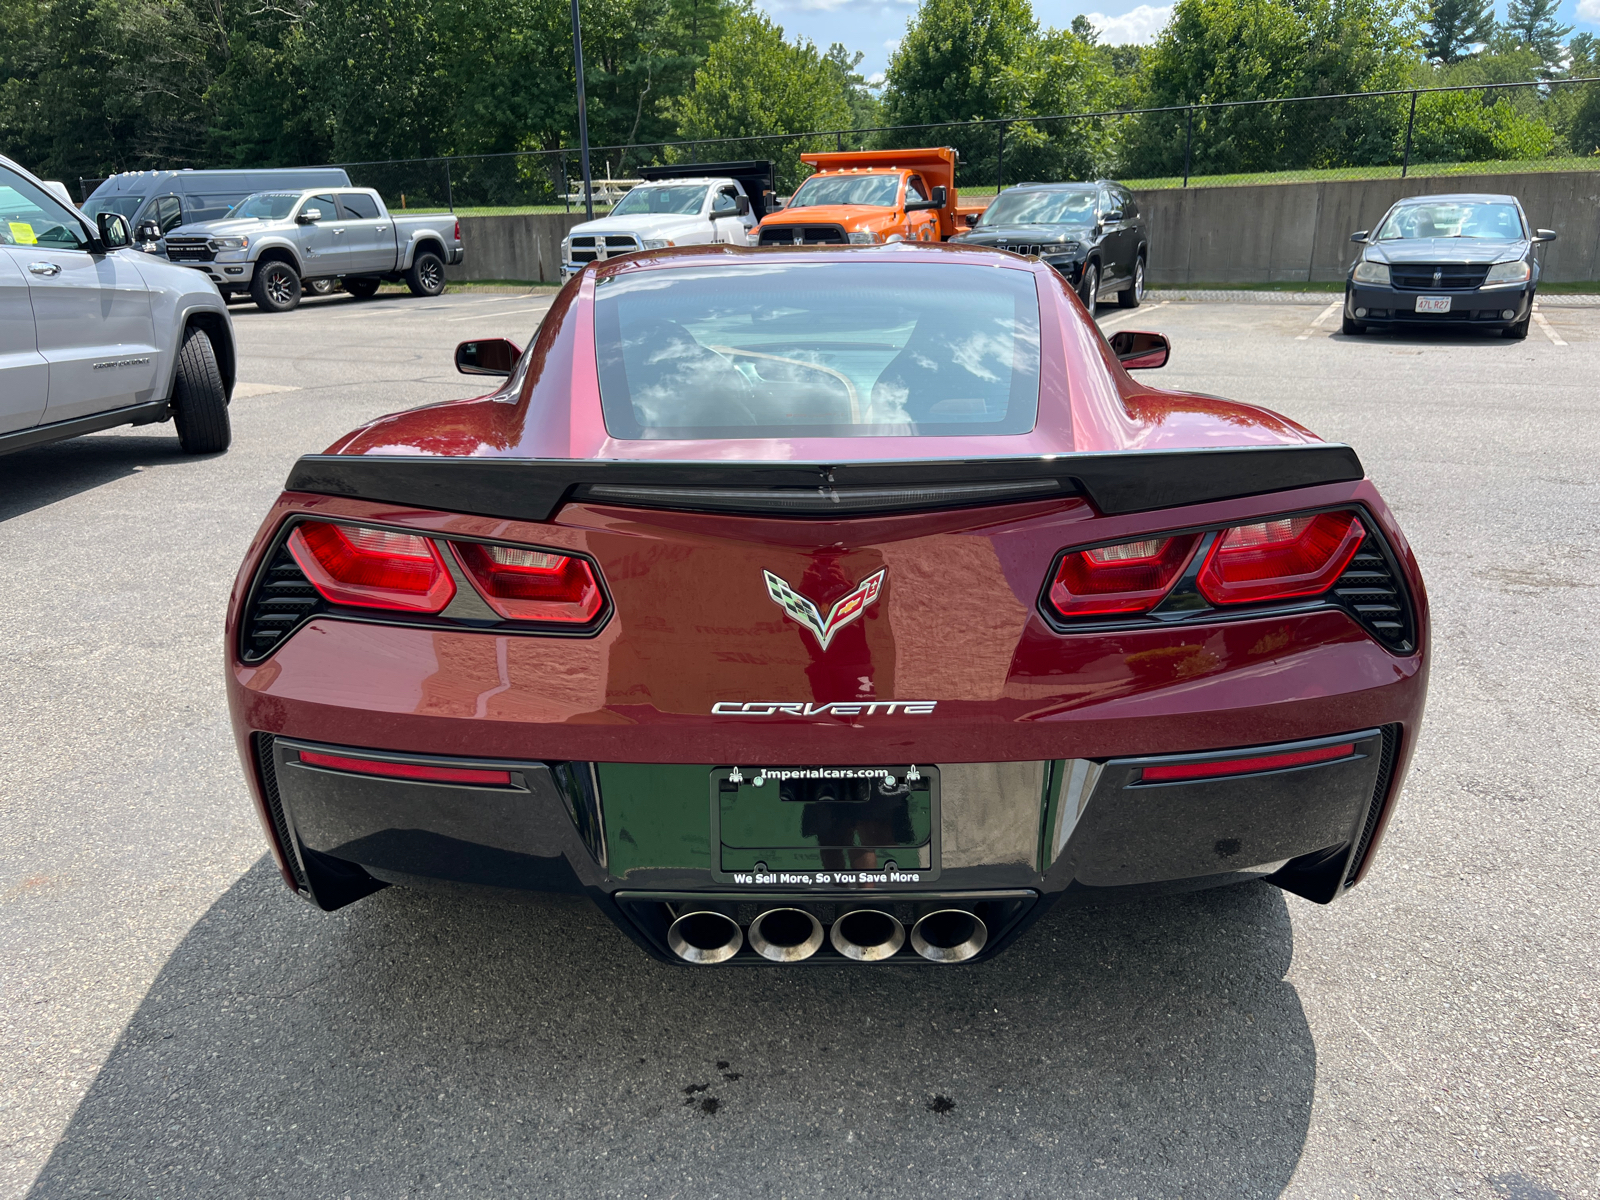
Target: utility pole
583, 117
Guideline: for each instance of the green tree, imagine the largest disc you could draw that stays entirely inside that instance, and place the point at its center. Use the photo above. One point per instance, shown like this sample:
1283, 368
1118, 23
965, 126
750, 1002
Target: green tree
756, 84
1533, 23
1454, 25
866, 110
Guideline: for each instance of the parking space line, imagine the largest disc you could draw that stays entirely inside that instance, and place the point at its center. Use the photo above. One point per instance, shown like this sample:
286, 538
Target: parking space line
1549, 330
1136, 312
505, 312
1320, 318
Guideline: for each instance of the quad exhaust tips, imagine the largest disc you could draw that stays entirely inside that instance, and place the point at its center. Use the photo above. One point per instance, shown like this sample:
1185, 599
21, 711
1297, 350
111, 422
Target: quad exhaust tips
949, 935
706, 937
786, 934
867, 935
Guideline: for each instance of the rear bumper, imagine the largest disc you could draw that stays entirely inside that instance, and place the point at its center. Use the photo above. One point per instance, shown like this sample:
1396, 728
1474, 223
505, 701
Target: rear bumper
1015, 837
1483, 308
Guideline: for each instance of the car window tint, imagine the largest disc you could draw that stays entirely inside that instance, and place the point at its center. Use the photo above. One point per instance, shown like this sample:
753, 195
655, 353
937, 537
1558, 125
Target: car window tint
1073, 206
31, 216
724, 203
325, 202
168, 213
126, 205
818, 350
359, 206
914, 188
681, 200
266, 206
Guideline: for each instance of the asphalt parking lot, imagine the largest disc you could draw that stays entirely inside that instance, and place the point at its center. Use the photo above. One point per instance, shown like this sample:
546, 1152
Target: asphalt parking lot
176, 1024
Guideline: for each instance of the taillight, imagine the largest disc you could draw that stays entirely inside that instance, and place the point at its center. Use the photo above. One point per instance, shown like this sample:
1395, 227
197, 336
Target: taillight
372, 568
1219, 768
423, 772
1125, 578
1281, 558
533, 585
458, 230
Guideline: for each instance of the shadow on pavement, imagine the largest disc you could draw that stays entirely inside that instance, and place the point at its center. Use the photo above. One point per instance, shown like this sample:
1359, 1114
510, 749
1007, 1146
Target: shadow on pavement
46, 474
427, 1044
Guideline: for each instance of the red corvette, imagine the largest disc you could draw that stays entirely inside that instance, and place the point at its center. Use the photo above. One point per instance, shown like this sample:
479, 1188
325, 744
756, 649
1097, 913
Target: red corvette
826, 605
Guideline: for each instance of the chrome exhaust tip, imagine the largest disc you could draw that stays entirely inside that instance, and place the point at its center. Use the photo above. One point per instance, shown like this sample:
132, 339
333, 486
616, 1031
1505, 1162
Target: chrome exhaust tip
867, 935
704, 937
786, 934
949, 935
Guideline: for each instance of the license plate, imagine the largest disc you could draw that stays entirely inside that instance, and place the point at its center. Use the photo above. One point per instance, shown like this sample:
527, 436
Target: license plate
1438, 304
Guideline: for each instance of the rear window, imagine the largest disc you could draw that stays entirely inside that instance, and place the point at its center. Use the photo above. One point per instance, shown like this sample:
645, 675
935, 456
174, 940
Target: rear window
822, 349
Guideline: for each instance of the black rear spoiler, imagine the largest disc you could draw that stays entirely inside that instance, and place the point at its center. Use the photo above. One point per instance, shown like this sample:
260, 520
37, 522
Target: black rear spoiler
754, 175
534, 489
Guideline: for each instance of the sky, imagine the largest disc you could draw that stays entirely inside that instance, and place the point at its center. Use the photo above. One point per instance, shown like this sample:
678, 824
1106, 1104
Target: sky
875, 26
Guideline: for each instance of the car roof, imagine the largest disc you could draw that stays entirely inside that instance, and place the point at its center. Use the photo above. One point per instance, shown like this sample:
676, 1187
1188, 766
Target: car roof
697, 256
1456, 197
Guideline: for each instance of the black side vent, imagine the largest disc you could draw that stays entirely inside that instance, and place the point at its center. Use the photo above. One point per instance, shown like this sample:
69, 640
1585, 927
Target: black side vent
1370, 590
1380, 792
283, 600
261, 743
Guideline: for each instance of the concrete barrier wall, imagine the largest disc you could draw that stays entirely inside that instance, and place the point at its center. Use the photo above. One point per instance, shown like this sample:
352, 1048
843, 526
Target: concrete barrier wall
514, 247
1268, 233
1299, 232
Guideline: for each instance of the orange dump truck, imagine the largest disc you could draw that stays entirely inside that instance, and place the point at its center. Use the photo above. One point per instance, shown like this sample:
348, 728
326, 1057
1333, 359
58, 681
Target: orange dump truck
870, 196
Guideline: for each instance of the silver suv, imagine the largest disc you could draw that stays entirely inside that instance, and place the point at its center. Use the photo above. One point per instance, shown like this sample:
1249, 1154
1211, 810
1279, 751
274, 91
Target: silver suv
94, 334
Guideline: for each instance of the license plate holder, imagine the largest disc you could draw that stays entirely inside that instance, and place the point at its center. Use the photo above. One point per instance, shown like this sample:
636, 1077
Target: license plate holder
1433, 304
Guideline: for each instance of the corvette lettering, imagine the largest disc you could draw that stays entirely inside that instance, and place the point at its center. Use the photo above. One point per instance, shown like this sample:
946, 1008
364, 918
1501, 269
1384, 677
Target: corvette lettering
837, 708
805, 611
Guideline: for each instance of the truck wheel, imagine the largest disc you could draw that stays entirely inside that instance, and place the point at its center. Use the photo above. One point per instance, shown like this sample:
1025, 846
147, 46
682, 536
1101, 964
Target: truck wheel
362, 288
276, 287
199, 398
426, 274
1130, 296
320, 287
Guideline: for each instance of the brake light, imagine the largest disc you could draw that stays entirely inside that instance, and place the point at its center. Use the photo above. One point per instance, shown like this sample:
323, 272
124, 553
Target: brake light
419, 771
533, 585
458, 230
1277, 559
1244, 766
1127, 577
372, 568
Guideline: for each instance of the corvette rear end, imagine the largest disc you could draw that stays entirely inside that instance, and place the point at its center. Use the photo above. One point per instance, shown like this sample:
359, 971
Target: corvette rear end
814, 606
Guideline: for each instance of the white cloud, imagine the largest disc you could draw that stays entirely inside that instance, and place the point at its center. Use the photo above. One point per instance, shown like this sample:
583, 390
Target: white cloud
1589, 10
1141, 25
849, 7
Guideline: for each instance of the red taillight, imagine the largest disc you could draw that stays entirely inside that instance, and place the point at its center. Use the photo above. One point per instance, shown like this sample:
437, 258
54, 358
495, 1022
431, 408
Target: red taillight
1277, 559
372, 568
1128, 577
458, 230
533, 585
1245, 766
418, 771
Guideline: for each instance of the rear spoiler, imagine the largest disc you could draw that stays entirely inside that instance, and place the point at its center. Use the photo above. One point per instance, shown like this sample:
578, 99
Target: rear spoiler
534, 489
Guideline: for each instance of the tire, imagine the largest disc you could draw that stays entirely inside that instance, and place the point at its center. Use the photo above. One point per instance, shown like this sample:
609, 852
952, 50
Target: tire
320, 287
1090, 286
1520, 330
1350, 328
199, 398
1134, 293
362, 288
425, 276
276, 288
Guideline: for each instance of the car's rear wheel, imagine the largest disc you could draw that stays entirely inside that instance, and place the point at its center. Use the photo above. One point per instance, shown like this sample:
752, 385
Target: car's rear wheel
1089, 288
362, 288
1131, 295
425, 277
200, 398
276, 287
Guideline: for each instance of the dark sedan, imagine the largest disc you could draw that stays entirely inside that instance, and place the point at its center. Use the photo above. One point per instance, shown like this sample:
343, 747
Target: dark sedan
1459, 260
1091, 233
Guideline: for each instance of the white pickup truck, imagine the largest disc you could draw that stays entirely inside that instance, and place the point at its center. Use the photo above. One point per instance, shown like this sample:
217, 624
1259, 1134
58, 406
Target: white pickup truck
681, 205
272, 243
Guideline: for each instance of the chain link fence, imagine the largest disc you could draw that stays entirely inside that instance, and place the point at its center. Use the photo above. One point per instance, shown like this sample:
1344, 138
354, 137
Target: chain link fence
1534, 126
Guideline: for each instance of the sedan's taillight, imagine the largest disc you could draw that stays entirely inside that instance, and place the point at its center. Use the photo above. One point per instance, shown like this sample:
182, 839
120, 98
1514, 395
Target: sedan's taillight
372, 568
1129, 577
1281, 558
533, 585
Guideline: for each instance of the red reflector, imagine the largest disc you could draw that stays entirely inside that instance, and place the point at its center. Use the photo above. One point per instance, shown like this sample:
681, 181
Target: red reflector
1128, 577
1277, 559
533, 585
372, 568
418, 771
1245, 766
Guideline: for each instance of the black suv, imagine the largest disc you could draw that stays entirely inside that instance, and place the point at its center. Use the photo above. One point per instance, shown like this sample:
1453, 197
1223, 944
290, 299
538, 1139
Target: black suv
1091, 233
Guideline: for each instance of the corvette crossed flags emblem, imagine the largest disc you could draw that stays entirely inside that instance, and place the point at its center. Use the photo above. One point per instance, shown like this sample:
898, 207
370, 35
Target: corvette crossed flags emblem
806, 612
